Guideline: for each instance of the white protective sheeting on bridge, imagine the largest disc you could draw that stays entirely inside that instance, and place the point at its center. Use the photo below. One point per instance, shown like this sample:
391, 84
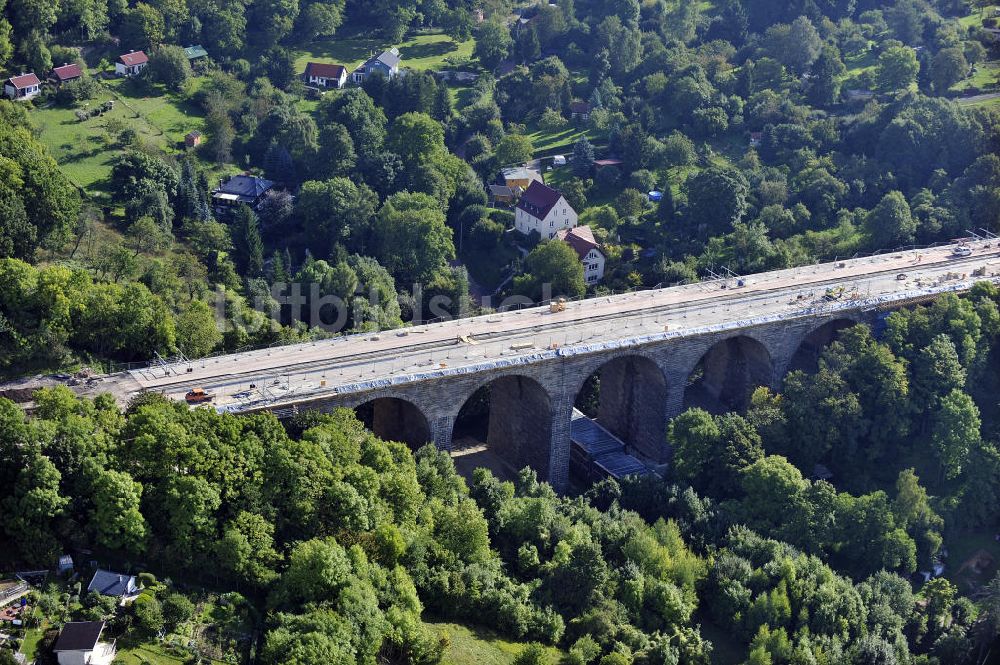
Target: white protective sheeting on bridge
578, 349
279, 377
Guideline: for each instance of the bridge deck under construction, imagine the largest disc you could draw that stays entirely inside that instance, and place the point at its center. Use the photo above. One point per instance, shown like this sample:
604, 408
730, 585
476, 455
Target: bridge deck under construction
284, 375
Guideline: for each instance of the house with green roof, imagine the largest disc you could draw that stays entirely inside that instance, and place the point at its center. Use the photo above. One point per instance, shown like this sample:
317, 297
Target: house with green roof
195, 52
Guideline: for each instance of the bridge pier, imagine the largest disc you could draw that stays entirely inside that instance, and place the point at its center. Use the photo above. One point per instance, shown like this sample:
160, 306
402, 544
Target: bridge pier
559, 448
779, 368
441, 430
675, 397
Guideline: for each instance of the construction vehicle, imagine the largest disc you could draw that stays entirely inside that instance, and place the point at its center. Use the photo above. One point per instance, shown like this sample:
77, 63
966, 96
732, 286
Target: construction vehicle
198, 396
558, 305
834, 293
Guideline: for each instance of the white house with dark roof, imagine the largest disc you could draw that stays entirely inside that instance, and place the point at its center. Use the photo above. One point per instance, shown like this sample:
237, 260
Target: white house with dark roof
131, 63
325, 75
385, 63
108, 583
23, 87
582, 240
543, 209
80, 643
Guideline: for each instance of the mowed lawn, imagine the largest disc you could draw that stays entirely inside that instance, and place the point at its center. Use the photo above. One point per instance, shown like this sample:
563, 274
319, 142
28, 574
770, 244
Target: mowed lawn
146, 655
985, 77
32, 638
85, 151
154, 654
975, 18
857, 63
426, 51
172, 115
549, 142
479, 646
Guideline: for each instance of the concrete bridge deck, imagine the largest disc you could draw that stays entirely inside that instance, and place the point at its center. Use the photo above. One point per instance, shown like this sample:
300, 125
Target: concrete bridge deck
300, 372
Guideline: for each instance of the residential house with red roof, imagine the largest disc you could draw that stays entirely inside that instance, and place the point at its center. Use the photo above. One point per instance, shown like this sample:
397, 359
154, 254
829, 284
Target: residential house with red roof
23, 87
131, 63
67, 73
325, 75
582, 240
543, 209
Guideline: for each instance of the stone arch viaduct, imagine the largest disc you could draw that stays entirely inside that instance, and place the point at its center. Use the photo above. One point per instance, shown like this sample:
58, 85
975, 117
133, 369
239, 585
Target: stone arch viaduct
655, 352
643, 386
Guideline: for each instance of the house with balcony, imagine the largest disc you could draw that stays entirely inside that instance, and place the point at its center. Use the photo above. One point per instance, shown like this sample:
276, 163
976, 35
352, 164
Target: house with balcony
245, 189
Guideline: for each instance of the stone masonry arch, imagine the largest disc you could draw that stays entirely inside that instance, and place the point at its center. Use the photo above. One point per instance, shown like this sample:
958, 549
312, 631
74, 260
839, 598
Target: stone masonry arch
519, 426
727, 372
631, 401
395, 419
811, 345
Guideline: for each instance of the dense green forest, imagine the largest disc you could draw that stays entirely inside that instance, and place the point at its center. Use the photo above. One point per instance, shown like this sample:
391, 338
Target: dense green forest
779, 134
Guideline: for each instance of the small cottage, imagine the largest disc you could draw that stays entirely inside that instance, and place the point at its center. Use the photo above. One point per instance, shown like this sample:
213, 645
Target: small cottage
108, 583
520, 176
195, 52
22, 88
67, 73
64, 564
502, 194
579, 110
131, 63
80, 643
325, 75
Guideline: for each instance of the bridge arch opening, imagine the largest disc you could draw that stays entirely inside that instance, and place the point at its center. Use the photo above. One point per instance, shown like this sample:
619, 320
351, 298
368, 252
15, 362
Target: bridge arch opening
395, 419
627, 396
806, 357
505, 425
727, 373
